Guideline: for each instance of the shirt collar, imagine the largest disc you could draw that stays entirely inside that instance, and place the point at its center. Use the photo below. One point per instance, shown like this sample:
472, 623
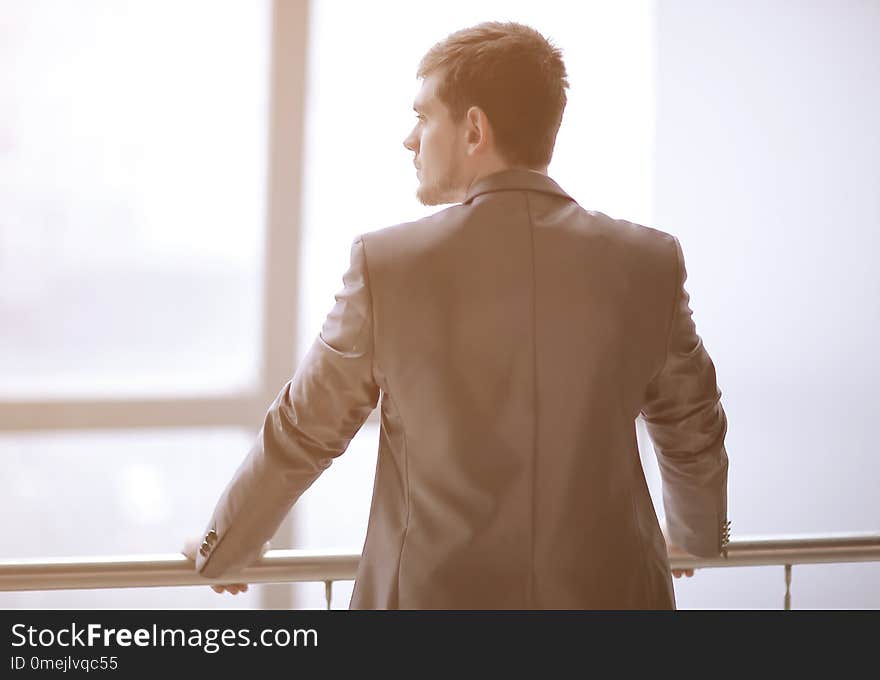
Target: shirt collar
516, 179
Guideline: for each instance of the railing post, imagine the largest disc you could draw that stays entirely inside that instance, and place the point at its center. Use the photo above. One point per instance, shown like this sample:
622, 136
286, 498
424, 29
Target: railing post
787, 587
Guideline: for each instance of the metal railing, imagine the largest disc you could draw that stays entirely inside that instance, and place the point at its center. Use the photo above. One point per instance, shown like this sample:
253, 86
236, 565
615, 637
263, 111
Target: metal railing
284, 566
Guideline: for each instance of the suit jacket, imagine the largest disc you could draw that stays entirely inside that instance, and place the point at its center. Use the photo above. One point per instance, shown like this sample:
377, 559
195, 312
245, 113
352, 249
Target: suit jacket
510, 341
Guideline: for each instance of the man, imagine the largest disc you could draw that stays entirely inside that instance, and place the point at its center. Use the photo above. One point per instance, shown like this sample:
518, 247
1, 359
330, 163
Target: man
511, 341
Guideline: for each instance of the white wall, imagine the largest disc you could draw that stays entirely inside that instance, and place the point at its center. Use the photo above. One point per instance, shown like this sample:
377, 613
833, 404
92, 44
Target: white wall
767, 167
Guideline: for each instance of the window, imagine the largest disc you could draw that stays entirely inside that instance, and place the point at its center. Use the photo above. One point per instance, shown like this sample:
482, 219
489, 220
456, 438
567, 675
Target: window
132, 179
132, 212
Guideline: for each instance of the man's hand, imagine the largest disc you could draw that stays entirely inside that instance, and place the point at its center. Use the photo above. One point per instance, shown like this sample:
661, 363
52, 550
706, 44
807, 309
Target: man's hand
674, 551
191, 546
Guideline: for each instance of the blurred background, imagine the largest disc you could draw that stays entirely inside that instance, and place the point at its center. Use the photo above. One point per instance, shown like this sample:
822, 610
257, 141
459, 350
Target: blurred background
180, 183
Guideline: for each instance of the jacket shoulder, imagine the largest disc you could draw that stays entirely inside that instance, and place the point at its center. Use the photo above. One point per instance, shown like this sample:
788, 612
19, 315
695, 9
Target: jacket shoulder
451, 215
406, 239
633, 233
640, 244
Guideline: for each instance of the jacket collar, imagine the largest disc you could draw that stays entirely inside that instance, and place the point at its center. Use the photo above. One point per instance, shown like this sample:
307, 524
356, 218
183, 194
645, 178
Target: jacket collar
514, 180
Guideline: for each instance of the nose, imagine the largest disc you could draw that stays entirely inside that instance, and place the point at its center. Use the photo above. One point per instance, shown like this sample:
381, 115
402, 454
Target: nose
411, 141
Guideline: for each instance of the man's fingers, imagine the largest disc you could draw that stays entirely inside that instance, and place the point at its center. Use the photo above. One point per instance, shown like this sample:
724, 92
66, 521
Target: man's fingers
232, 588
678, 572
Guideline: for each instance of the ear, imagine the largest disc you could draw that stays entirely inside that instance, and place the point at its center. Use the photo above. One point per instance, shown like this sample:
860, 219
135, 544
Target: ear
479, 132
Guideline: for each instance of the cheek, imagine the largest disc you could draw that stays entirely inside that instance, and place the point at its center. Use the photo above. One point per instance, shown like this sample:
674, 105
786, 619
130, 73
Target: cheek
432, 143
424, 140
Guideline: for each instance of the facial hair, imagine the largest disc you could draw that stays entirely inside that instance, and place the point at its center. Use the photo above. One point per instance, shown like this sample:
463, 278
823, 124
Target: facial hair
442, 190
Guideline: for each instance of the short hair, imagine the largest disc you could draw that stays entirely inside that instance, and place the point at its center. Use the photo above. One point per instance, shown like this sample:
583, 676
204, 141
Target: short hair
514, 74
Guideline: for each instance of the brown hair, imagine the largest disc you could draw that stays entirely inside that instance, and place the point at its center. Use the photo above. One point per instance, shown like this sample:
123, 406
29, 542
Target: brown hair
515, 75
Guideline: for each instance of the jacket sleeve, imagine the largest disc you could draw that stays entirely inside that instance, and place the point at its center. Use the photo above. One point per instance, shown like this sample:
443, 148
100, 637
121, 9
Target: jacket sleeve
311, 421
687, 424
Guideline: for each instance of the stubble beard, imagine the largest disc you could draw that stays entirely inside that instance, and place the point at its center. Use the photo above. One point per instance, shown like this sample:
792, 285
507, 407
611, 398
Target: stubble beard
443, 190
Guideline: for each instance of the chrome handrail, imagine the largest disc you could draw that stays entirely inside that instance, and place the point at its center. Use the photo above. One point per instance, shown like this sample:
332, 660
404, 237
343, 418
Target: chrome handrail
762, 551
145, 571
282, 566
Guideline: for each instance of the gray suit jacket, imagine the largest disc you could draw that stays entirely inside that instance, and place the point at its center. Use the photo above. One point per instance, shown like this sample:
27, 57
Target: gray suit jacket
511, 341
